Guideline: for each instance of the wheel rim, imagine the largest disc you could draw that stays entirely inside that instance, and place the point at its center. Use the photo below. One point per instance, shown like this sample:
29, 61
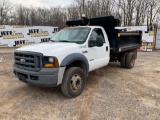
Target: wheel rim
76, 83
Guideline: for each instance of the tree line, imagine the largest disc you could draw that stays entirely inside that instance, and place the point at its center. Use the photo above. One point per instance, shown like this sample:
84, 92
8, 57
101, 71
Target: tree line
130, 12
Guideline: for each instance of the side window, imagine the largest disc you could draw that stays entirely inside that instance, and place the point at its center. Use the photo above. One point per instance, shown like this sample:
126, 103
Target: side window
96, 33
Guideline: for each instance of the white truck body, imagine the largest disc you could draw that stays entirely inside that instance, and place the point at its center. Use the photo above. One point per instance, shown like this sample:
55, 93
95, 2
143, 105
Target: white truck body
75, 51
97, 56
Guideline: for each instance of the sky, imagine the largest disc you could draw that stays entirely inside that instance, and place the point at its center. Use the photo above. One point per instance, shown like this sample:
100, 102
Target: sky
42, 3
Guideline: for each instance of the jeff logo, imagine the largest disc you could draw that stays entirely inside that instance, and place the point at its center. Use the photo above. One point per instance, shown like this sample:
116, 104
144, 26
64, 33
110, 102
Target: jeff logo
11, 35
37, 33
45, 40
21, 43
3, 33
55, 30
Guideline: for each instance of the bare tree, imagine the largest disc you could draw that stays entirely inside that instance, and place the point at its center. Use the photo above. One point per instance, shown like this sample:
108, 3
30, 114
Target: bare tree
153, 9
5, 8
130, 12
20, 15
33, 16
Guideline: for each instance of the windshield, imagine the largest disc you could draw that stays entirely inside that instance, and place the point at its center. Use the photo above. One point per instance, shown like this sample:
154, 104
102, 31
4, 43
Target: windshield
73, 35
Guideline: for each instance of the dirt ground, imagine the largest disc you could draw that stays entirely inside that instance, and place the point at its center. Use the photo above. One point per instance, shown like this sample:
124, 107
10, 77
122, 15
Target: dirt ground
111, 93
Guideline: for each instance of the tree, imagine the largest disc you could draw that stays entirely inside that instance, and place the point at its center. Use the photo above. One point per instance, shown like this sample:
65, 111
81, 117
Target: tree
5, 8
153, 9
130, 12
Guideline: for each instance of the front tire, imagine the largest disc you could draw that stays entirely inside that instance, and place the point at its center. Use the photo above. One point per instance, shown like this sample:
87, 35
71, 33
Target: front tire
74, 81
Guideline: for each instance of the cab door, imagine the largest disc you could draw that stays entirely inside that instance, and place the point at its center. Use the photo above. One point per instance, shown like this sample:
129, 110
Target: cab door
97, 56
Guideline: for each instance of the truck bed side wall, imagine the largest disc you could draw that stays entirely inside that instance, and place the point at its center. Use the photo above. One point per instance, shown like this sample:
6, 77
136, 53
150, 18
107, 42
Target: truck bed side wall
127, 40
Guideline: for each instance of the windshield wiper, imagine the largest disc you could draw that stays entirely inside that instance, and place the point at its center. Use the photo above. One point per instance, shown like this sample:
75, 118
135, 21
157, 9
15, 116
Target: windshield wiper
65, 41
79, 42
52, 40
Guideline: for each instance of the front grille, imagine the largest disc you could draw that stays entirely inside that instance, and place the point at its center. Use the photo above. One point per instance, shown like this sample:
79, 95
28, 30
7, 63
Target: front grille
28, 60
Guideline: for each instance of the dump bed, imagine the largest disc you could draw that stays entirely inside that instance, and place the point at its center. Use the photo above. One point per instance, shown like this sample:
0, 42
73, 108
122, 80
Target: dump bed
120, 40
126, 40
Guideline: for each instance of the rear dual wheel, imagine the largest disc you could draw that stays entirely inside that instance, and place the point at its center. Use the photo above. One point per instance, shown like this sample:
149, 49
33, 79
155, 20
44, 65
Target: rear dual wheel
130, 60
127, 60
123, 60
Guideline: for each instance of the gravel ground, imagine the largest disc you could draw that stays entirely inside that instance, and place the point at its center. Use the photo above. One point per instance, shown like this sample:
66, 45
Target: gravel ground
111, 93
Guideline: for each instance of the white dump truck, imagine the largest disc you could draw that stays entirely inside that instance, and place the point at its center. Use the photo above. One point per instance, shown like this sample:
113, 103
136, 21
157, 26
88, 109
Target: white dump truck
75, 51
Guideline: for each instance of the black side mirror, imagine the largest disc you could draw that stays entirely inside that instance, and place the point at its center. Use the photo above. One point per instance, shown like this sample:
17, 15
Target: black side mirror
92, 43
99, 41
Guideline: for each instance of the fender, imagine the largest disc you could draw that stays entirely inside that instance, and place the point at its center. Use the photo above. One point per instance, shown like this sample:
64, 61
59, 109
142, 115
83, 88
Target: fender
73, 57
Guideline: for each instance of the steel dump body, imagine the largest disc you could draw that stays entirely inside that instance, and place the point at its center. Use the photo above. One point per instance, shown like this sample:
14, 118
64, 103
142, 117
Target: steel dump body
125, 41
120, 40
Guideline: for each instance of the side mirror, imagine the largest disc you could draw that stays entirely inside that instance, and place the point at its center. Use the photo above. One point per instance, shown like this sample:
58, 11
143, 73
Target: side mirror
92, 43
99, 42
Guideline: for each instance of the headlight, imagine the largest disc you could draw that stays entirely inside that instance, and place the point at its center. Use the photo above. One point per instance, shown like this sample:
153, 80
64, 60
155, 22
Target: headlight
50, 62
51, 59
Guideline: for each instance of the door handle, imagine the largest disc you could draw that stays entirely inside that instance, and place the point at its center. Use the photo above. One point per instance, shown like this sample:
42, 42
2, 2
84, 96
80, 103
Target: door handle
85, 52
107, 48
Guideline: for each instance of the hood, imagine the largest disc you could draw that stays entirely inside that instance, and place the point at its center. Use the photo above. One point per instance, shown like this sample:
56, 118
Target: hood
49, 49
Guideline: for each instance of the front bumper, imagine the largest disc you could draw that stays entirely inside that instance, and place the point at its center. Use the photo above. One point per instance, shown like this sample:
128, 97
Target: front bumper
46, 77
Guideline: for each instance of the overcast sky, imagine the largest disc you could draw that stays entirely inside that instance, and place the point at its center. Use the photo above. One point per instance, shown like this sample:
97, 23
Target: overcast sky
43, 3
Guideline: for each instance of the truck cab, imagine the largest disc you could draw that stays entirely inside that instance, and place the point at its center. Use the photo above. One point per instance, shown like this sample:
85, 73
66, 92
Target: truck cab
91, 41
73, 52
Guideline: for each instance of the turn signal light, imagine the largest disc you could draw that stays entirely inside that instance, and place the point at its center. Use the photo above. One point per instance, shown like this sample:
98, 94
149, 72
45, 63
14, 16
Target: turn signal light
56, 63
49, 65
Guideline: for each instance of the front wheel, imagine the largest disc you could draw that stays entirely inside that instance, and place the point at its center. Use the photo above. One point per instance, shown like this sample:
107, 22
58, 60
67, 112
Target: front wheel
73, 83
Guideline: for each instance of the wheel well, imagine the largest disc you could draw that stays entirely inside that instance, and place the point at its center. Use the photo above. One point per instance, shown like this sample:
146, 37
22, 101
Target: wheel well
78, 63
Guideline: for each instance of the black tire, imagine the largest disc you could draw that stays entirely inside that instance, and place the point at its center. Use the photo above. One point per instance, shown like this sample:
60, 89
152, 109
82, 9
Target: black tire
123, 60
130, 60
74, 81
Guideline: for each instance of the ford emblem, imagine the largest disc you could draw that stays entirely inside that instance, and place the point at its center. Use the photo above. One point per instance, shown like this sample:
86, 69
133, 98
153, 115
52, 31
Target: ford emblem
22, 60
